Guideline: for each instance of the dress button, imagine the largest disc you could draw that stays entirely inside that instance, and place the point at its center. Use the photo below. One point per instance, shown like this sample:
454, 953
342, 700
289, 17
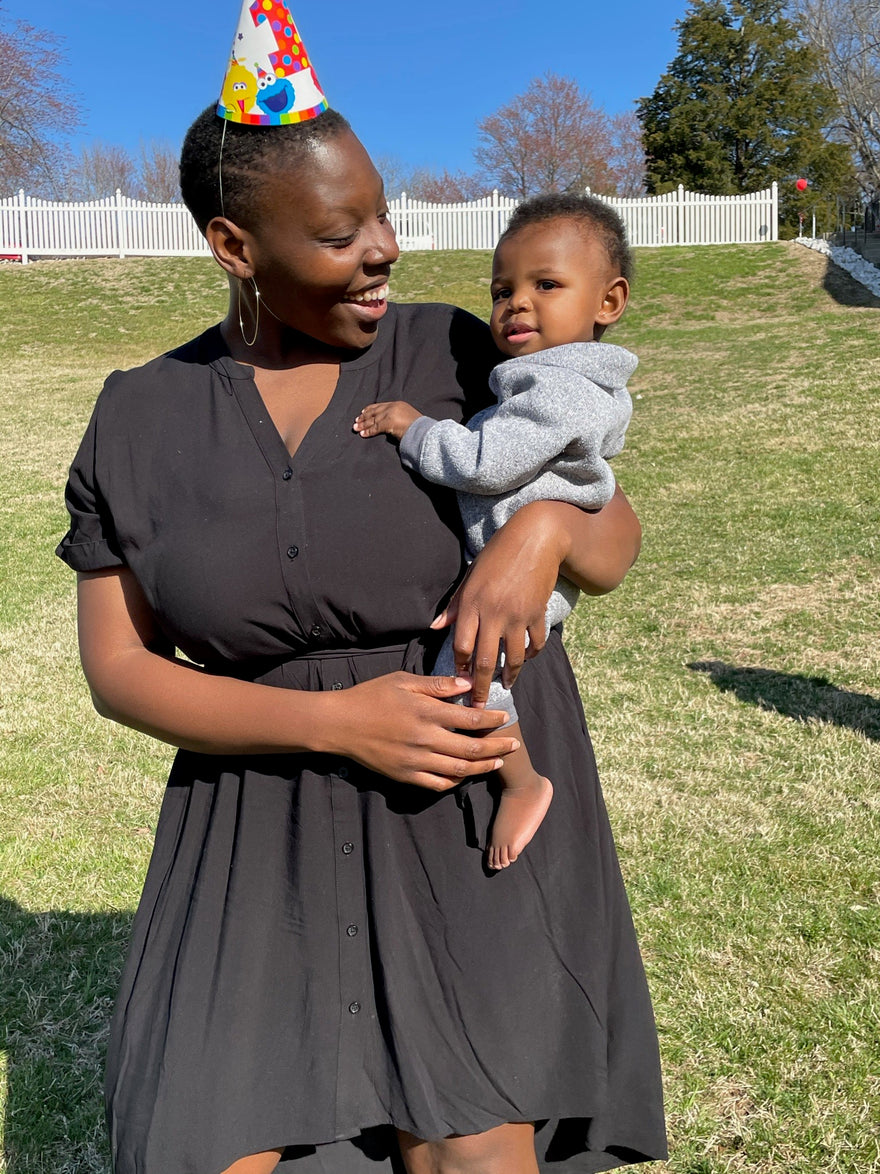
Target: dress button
287, 474
352, 931
347, 848
337, 685
316, 630
343, 772
292, 551
354, 1007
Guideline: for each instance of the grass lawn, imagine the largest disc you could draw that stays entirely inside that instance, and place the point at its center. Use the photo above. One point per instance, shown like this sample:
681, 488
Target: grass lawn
731, 686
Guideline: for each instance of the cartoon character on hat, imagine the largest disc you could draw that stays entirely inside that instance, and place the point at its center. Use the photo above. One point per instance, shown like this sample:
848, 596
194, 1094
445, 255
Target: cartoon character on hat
269, 80
275, 94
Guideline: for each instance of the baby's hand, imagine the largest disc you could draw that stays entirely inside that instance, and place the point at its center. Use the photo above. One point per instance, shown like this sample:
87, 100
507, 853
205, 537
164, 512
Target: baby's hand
392, 418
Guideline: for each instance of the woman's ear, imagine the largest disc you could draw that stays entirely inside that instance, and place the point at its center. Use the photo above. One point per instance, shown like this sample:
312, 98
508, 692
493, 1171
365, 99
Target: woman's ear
614, 301
230, 246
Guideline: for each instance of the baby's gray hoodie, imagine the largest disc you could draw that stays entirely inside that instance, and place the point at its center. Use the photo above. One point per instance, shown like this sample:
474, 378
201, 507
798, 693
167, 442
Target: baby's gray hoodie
560, 414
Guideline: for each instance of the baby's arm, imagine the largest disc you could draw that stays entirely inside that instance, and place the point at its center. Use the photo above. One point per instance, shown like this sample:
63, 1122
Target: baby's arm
507, 446
392, 418
504, 446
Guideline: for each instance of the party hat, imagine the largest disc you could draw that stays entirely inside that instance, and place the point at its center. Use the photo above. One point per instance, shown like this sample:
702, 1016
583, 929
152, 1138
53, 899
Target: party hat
269, 80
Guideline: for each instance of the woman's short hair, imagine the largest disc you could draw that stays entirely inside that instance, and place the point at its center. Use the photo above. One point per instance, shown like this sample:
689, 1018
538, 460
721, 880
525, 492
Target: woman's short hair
594, 214
248, 153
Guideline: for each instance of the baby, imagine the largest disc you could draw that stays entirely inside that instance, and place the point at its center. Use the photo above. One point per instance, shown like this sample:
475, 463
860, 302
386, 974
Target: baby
560, 277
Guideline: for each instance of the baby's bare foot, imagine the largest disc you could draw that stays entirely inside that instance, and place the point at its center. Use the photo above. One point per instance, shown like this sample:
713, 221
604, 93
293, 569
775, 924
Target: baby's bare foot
520, 812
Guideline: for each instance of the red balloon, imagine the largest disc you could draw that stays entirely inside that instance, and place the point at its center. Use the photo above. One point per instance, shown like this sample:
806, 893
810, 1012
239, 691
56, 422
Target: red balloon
802, 185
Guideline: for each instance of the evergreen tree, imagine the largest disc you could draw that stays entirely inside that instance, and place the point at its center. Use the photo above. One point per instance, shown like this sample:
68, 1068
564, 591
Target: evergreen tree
741, 106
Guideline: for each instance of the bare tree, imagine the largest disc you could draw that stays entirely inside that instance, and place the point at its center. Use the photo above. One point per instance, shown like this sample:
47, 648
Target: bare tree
159, 173
445, 187
549, 139
627, 161
99, 169
425, 183
846, 37
396, 174
35, 107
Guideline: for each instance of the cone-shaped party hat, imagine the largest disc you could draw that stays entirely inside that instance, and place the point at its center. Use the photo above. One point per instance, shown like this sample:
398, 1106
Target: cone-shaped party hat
269, 80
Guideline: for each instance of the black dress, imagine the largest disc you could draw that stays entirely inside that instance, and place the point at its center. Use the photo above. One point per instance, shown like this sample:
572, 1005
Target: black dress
320, 953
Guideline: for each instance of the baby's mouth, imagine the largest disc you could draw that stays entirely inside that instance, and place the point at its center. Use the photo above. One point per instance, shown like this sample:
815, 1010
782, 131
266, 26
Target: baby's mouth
516, 331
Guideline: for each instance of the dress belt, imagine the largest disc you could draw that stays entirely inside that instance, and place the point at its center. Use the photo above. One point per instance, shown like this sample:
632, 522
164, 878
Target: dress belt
347, 653
251, 669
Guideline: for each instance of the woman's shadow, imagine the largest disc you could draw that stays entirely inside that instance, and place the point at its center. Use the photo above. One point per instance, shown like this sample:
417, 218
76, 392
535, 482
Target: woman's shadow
802, 698
58, 977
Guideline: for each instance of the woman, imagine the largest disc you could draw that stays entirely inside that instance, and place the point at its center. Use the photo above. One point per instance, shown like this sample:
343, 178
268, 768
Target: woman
322, 970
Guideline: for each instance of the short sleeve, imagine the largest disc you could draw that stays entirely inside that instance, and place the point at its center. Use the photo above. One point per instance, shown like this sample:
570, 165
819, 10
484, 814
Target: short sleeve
90, 544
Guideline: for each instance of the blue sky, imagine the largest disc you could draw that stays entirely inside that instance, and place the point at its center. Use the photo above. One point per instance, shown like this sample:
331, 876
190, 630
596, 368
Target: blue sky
412, 78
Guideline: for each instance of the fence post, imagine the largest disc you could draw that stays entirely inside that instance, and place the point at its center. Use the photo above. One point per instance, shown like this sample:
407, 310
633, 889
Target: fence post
23, 226
774, 211
118, 222
679, 216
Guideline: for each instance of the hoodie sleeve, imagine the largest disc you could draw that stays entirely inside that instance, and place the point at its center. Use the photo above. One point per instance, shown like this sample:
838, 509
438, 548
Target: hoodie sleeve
546, 413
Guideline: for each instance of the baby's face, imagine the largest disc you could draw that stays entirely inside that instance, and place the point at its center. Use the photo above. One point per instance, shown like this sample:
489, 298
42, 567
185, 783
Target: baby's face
552, 283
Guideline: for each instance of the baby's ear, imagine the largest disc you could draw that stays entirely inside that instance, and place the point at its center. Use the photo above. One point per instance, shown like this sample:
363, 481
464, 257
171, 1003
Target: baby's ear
614, 302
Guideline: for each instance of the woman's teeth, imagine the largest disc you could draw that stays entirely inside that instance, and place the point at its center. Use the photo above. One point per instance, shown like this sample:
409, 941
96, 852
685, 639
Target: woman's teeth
369, 295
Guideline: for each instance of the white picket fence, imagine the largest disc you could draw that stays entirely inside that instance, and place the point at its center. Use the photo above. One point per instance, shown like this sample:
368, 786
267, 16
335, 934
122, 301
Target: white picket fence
121, 227
676, 218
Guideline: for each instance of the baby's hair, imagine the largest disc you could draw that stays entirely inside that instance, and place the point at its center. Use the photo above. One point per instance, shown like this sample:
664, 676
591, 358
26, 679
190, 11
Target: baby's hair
248, 153
593, 214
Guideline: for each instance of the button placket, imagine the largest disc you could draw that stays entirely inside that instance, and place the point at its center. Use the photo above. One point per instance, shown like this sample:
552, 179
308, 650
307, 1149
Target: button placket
356, 1013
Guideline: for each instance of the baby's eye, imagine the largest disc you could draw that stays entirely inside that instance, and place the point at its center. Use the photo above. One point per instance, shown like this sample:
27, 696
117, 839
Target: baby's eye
500, 295
547, 284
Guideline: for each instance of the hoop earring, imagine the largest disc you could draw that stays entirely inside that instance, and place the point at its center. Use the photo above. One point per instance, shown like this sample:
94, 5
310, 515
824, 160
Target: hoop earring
256, 314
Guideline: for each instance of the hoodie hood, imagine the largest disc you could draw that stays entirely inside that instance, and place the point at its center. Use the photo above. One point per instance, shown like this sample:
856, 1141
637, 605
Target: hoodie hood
603, 363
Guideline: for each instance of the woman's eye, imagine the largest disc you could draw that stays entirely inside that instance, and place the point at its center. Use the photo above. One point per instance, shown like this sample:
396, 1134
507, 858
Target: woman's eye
341, 242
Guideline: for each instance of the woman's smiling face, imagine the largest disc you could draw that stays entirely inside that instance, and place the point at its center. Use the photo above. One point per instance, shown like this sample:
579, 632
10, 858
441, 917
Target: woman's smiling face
322, 246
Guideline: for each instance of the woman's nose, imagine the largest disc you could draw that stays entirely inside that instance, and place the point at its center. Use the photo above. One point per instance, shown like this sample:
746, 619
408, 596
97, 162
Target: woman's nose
384, 249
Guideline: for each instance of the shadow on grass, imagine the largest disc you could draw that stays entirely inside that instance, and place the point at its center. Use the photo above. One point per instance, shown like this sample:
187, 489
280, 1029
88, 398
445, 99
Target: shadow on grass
802, 698
58, 977
845, 290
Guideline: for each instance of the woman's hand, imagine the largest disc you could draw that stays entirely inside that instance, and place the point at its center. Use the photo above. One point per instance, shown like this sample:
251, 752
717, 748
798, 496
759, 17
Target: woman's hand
505, 592
403, 726
503, 597
399, 725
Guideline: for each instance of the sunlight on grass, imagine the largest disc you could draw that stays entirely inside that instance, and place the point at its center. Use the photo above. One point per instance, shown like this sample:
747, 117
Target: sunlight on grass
730, 686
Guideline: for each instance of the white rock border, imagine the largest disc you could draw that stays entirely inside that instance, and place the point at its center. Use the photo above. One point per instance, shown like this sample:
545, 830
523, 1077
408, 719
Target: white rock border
855, 264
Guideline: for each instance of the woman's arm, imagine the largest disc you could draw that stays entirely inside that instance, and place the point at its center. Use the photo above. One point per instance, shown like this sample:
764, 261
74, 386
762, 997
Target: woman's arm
599, 547
505, 593
399, 725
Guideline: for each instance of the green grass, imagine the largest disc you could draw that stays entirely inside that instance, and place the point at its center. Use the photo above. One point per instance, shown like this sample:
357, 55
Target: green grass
730, 684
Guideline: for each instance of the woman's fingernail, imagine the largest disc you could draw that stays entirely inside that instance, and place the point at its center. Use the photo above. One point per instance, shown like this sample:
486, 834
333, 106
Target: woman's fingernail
462, 681
516, 745
499, 762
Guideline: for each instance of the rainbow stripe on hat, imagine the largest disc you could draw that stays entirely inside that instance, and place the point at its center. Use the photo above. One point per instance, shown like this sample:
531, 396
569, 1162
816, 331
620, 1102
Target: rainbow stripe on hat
269, 80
